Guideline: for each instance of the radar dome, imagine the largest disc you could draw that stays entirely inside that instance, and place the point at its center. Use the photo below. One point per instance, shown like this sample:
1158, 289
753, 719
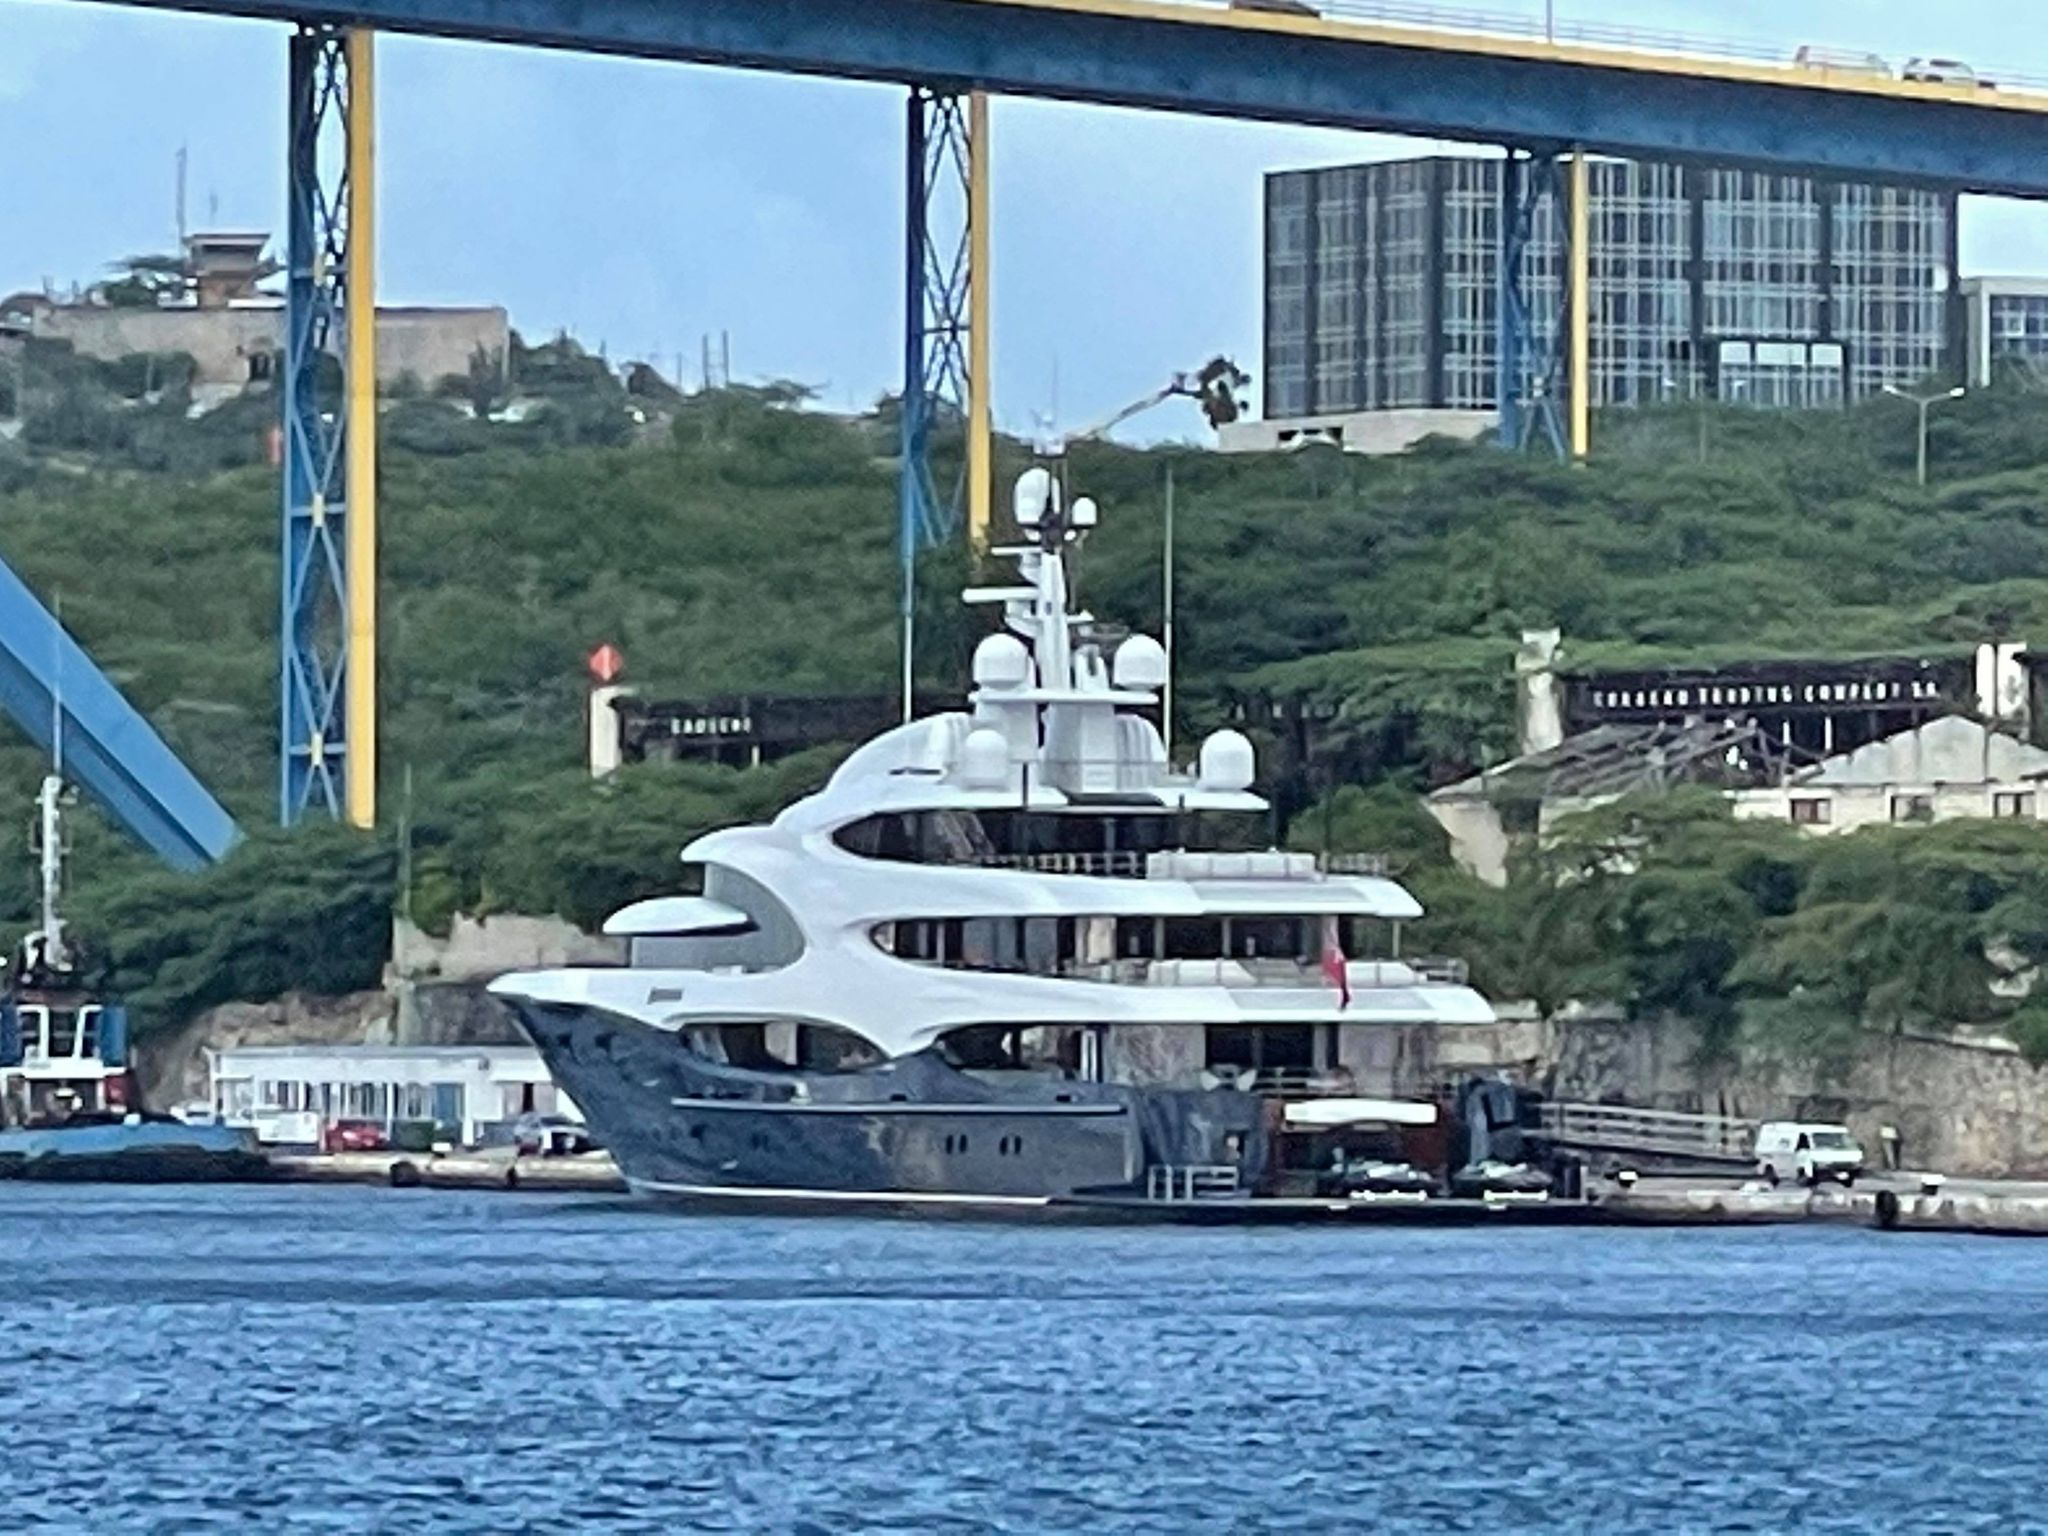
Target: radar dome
1226, 763
984, 759
1085, 513
1140, 662
1001, 661
1036, 494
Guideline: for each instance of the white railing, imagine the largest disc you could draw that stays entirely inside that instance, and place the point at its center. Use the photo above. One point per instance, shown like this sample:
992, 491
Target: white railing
1302, 1083
1797, 60
1622, 1128
1186, 864
1191, 1181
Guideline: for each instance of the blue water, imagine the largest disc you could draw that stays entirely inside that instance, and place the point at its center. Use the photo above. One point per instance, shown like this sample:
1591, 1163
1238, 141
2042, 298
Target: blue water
306, 1359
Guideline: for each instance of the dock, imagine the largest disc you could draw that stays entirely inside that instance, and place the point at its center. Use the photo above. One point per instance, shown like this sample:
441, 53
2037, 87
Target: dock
593, 1173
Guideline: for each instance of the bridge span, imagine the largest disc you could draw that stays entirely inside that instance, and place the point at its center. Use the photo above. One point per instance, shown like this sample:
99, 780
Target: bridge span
1395, 67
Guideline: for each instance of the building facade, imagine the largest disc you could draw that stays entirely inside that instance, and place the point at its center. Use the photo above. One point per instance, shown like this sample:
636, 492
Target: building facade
1381, 286
2007, 324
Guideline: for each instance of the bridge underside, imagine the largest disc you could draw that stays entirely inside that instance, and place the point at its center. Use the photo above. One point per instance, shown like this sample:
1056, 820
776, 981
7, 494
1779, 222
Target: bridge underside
1272, 68
109, 748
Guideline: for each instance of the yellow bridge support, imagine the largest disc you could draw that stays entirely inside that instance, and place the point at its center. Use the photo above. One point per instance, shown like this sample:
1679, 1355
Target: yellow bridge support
979, 338
361, 438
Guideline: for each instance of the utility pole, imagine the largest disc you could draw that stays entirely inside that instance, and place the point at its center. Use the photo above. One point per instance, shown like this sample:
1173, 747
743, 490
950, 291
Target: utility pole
1925, 403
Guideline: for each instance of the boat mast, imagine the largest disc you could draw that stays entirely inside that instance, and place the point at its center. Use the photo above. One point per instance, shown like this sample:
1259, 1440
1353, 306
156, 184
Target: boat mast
50, 816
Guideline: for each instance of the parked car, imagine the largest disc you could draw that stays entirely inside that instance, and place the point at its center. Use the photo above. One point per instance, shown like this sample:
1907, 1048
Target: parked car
551, 1136
354, 1136
1808, 1151
1944, 72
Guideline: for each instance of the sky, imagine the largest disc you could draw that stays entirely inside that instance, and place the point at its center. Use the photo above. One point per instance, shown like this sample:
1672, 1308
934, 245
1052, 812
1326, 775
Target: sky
641, 206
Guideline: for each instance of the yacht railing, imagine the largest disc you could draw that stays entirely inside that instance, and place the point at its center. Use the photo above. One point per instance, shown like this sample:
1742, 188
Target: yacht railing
1302, 1083
1183, 864
1191, 1181
1444, 970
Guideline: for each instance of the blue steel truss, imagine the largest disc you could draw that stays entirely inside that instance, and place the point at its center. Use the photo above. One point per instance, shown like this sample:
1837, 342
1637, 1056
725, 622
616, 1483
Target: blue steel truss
936, 267
1534, 306
313, 631
108, 748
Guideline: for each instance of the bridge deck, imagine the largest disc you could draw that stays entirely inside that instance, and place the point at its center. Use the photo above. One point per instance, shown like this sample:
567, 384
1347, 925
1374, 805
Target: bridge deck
1330, 70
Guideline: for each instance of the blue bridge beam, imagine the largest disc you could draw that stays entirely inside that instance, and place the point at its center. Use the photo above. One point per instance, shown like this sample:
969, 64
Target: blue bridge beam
109, 749
1280, 68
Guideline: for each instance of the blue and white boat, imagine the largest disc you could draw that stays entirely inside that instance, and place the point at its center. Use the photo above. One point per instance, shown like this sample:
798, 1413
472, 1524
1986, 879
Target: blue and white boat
68, 1103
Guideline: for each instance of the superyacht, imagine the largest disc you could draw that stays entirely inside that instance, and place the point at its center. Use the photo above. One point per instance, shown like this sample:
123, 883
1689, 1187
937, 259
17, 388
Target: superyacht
1008, 957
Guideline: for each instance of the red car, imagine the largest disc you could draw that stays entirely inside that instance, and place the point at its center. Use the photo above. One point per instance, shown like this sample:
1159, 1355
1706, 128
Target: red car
354, 1136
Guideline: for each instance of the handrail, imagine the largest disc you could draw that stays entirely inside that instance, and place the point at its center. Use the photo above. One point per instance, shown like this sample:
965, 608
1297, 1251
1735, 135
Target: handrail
1621, 1125
1187, 864
1806, 61
1191, 1181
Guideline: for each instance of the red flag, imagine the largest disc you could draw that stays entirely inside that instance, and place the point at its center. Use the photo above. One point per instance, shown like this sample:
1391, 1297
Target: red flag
1336, 969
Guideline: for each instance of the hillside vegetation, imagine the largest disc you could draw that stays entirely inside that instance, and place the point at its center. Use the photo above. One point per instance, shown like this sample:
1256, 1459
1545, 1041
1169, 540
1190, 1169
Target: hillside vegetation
733, 541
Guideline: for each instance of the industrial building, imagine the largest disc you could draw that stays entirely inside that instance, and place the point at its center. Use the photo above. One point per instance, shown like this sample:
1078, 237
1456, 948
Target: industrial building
1707, 282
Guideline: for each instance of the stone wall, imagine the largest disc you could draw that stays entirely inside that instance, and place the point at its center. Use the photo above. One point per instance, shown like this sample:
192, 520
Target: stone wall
227, 344
1961, 1104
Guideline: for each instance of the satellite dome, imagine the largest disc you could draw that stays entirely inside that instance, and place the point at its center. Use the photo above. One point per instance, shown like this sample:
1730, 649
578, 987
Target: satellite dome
1001, 661
1140, 663
1227, 762
1036, 494
984, 759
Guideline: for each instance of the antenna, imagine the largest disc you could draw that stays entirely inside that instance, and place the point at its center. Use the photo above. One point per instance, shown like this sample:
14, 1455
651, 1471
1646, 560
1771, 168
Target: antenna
182, 163
1166, 604
57, 683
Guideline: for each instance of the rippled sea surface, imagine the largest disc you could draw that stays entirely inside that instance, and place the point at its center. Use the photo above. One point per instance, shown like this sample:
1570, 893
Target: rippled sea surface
307, 1359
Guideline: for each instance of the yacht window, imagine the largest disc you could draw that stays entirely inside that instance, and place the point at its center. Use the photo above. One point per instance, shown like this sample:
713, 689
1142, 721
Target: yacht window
1137, 938
827, 1048
992, 944
1014, 1048
1194, 938
35, 1032
1275, 938
1367, 938
63, 1035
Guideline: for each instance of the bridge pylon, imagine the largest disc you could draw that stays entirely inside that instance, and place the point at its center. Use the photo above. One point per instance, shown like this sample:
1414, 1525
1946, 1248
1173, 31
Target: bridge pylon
946, 439
1534, 375
328, 664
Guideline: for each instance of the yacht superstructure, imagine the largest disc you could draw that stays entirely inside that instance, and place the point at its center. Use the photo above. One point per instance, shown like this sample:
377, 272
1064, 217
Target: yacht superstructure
1007, 955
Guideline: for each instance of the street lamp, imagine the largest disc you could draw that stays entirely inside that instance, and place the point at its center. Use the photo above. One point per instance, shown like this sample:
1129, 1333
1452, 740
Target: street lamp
1926, 403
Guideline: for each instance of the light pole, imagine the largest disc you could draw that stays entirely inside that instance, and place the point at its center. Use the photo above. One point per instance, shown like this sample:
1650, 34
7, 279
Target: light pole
1926, 404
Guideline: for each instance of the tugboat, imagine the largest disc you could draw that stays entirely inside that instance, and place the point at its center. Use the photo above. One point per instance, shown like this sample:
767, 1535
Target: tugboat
68, 1103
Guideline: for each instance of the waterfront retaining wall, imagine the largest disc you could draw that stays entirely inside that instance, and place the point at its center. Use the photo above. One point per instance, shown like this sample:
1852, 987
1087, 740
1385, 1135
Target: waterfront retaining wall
1963, 1104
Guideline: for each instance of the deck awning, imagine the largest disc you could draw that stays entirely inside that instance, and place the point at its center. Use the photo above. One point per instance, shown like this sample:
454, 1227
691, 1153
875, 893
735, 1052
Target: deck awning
668, 917
1314, 1114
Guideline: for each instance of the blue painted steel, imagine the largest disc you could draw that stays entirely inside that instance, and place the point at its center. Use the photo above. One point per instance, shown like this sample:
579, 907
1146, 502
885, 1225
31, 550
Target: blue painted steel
936, 260
935, 267
1210, 66
1530, 363
313, 629
11, 1043
109, 748
113, 1045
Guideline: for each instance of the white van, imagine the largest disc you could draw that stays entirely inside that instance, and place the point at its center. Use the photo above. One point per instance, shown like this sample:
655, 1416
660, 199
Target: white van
1806, 1151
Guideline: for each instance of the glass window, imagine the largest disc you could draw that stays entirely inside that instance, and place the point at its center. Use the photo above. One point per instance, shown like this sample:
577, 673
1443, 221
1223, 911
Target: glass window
1811, 812
2014, 805
1912, 807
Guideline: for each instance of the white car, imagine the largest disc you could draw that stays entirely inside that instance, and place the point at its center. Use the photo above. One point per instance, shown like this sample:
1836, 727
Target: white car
1808, 1151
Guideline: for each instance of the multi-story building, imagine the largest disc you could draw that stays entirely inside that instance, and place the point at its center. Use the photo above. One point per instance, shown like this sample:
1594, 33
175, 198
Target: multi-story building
1706, 281
2007, 326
